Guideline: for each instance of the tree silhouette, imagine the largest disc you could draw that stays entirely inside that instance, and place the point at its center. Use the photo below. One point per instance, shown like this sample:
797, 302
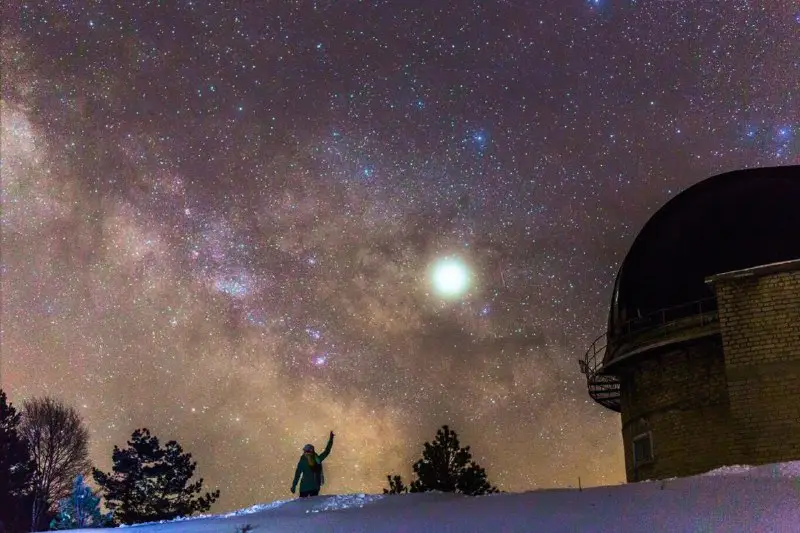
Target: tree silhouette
150, 483
59, 444
446, 467
396, 485
80, 510
16, 469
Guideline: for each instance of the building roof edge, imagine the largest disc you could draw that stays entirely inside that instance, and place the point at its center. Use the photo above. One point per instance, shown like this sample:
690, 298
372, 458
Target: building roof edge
755, 272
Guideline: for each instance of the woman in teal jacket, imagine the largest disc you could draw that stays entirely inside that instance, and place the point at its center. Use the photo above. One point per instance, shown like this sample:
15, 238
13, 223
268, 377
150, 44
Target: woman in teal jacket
310, 469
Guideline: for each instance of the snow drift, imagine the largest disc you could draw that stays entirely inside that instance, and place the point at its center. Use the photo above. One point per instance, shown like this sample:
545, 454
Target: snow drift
732, 499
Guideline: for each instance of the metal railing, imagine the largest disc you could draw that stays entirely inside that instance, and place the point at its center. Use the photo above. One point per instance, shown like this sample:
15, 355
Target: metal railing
641, 331
603, 388
707, 307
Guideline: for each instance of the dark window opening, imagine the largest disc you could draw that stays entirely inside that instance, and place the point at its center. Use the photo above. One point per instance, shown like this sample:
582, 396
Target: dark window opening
643, 449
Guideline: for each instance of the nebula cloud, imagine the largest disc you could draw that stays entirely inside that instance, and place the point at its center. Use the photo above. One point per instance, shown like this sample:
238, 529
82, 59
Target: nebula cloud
218, 222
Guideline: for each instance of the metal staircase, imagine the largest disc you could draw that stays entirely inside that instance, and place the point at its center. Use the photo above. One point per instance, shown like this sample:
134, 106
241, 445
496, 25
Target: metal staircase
603, 388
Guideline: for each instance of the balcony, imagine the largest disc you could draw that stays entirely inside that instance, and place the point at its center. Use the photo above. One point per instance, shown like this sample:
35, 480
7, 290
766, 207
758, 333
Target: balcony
603, 388
643, 334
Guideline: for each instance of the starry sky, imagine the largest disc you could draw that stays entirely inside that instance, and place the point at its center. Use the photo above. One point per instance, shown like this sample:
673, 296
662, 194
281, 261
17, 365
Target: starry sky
219, 222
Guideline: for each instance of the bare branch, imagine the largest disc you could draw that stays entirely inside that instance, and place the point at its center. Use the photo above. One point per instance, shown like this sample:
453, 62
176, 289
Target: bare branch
59, 443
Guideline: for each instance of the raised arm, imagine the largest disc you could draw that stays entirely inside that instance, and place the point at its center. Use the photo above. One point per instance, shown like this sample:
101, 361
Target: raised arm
327, 449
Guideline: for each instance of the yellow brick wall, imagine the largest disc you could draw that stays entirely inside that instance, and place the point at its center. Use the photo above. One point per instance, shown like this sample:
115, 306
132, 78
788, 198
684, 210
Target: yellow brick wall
729, 398
680, 396
760, 324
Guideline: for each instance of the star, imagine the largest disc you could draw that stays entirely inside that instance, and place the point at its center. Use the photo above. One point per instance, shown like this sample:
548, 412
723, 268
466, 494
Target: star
450, 277
244, 227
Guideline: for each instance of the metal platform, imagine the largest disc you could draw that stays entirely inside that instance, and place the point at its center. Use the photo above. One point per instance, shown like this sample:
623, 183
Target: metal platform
603, 388
664, 327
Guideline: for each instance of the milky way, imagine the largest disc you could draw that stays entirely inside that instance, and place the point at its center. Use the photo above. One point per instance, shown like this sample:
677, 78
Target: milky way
218, 223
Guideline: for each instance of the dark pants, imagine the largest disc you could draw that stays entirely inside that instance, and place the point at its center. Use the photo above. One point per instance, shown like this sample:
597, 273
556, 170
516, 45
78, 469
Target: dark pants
307, 493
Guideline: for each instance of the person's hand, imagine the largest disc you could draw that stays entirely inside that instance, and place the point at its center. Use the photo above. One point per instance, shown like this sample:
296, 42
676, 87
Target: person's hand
332, 435
292, 490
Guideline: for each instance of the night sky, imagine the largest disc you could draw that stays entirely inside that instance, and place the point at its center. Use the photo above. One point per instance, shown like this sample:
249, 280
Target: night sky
220, 223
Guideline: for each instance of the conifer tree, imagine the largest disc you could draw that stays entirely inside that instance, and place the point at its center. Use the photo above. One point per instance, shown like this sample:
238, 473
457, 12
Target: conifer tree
446, 467
16, 469
81, 509
396, 485
150, 483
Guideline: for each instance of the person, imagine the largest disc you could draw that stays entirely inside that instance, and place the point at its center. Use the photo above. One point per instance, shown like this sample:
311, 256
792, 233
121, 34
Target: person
309, 468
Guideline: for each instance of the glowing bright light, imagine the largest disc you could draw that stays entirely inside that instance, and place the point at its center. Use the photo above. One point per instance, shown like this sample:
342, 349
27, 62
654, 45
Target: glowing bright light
450, 277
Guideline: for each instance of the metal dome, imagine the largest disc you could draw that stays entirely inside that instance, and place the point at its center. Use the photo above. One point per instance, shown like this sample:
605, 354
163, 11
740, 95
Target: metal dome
728, 222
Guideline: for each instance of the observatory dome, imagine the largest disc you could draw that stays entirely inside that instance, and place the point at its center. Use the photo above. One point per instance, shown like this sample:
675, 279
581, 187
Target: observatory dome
731, 221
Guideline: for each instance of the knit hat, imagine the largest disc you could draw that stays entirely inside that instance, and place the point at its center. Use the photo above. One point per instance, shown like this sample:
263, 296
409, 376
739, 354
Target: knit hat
308, 448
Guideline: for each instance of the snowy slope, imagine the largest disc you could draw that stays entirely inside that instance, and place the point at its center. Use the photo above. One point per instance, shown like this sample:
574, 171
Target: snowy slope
734, 499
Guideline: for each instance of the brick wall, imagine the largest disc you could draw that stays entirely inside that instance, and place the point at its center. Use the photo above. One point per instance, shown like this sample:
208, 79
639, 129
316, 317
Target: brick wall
759, 313
680, 396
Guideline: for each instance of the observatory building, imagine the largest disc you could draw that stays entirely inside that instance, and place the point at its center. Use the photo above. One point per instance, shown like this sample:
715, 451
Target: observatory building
702, 352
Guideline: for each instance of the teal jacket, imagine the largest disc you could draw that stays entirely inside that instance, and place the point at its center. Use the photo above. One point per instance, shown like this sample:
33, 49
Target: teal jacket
310, 481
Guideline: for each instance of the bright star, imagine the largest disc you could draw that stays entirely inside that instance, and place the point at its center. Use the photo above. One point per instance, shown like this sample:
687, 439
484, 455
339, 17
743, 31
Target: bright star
450, 277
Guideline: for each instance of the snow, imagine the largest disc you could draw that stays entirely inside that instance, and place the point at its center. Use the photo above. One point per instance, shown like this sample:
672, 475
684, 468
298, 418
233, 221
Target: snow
730, 499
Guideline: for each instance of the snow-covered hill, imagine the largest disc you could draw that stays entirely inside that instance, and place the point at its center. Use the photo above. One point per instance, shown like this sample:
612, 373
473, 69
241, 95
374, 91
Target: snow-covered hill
734, 499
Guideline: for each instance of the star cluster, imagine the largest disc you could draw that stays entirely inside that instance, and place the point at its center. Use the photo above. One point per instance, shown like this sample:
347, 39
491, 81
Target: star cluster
218, 222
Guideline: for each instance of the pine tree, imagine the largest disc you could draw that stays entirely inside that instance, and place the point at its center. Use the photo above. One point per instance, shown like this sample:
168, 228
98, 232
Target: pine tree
446, 467
16, 469
396, 485
150, 483
81, 509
